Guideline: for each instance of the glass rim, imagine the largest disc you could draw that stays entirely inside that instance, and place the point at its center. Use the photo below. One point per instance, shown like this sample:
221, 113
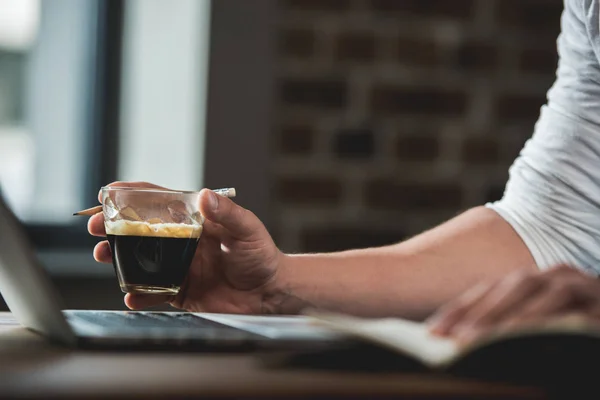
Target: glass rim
153, 190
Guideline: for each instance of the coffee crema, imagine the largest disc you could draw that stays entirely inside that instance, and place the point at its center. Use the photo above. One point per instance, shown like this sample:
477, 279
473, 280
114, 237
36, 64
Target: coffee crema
161, 229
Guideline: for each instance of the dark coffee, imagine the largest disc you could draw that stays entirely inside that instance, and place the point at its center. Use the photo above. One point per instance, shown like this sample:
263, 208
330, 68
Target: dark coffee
152, 258
146, 262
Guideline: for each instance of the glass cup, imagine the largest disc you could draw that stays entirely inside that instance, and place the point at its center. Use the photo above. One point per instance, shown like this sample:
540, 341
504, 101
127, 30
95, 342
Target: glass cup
153, 235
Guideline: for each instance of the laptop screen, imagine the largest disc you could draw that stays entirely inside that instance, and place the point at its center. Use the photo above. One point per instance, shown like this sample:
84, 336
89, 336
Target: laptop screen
24, 283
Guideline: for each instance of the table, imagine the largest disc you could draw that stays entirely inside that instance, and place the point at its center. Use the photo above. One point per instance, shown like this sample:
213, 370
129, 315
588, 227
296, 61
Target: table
30, 367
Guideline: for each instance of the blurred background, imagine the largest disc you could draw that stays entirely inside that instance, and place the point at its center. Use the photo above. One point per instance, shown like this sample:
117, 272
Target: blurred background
342, 123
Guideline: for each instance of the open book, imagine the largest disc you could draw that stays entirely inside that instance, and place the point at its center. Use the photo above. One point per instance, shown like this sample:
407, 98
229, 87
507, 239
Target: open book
564, 350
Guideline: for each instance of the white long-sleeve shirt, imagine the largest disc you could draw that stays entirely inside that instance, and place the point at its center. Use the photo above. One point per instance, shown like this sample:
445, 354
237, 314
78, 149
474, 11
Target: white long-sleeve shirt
552, 198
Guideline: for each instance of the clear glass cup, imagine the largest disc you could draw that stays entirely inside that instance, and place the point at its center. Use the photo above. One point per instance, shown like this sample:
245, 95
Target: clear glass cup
153, 235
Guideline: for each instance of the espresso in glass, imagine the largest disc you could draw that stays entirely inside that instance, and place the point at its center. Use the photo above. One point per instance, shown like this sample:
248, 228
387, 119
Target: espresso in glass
153, 236
152, 258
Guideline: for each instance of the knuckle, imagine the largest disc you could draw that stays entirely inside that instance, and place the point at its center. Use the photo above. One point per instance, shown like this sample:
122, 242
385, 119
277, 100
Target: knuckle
564, 291
229, 210
238, 212
562, 269
240, 215
529, 280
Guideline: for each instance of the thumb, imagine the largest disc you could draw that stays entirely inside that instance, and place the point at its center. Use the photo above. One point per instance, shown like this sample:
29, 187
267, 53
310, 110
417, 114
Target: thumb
239, 222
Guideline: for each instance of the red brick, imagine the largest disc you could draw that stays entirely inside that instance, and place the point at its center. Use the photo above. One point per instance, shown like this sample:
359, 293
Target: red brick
514, 107
309, 190
539, 60
439, 8
414, 100
296, 139
513, 150
297, 42
417, 148
317, 5
480, 150
316, 92
494, 193
476, 56
354, 143
539, 16
345, 238
389, 195
420, 52
355, 46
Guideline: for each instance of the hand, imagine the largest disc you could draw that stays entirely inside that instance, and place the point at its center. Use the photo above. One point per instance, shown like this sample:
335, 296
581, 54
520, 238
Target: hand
235, 266
518, 300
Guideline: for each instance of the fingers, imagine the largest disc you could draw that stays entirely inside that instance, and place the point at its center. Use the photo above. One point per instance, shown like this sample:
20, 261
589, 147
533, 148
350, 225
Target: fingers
471, 317
102, 252
239, 222
141, 301
485, 306
470, 332
517, 301
96, 225
551, 301
444, 321
543, 309
571, 291
546, 304
505, 299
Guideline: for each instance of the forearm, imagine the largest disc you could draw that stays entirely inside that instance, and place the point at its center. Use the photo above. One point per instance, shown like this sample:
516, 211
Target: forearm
409, 279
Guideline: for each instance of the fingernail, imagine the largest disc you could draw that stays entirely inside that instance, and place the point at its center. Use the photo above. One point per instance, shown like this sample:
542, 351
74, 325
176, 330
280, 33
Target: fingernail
213, 201
434, 327
437, 325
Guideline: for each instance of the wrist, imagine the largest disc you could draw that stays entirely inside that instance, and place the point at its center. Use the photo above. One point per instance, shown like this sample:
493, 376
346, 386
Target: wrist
279, 296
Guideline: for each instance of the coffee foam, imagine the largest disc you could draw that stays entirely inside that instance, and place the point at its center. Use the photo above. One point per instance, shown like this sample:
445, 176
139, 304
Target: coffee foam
139, 228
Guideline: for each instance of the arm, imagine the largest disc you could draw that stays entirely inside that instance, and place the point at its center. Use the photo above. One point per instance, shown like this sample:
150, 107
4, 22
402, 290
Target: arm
238, 269
410, 279
550, 213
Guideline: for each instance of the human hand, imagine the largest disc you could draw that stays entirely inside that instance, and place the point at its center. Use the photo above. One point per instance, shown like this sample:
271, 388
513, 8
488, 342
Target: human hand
235, 266
520, 299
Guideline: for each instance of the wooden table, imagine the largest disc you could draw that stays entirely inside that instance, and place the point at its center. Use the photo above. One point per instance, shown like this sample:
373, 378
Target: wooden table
32, 368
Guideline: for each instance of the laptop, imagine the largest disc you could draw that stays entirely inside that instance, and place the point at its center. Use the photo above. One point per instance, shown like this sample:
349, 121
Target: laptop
29, 294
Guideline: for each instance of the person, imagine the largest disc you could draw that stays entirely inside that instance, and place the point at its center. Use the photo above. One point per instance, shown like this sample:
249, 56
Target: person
531, 256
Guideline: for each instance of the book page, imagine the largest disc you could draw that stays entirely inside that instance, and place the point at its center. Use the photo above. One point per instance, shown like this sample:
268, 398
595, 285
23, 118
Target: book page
410, 338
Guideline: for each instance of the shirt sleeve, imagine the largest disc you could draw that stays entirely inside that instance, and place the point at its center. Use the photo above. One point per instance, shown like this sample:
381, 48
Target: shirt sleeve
552, 198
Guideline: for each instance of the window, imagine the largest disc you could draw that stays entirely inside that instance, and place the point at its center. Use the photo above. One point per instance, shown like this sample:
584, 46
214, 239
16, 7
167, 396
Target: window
18, 29
53, 92
46, 60
98, 90
72, 73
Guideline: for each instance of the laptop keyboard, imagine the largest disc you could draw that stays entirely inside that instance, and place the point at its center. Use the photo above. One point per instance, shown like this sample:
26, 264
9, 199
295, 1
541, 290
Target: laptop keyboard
146, 320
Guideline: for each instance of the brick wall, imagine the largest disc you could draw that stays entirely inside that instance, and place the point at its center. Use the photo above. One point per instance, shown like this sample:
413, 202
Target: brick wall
394, 115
